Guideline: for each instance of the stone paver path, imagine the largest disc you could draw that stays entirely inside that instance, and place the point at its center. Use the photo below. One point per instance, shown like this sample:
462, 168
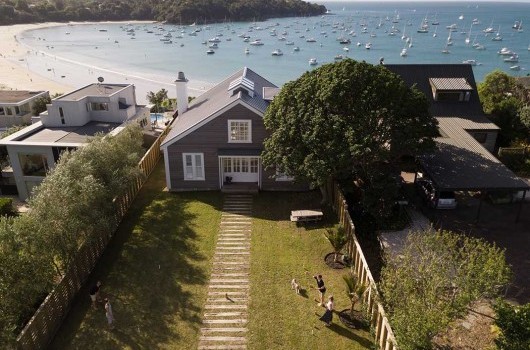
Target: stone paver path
225, 316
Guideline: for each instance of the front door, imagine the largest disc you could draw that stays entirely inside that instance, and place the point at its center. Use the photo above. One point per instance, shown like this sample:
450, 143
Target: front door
240, 169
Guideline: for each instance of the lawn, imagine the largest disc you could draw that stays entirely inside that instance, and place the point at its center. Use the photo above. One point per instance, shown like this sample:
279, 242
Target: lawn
157, 267
155, 270
278, 318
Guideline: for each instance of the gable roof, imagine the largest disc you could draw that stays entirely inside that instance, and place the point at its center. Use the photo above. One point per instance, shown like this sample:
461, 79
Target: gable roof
223, 95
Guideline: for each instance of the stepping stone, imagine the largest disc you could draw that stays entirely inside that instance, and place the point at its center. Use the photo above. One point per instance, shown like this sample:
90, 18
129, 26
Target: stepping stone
222, 347
227, 293
229, 274
229, 286
225, 314
229, 280
233, 248
232, 300
232, 253
234, 339
225, 321
223, 330
229, 307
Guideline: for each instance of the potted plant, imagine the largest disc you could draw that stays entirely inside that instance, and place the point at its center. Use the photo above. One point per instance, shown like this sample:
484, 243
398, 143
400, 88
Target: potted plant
355, 290
338, 239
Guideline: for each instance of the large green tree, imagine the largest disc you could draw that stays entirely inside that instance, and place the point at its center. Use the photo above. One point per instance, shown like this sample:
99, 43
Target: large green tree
507, 103
345, 118
434, 278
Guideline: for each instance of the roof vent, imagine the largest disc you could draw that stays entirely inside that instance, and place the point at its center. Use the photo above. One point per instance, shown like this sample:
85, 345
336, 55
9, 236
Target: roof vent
241, 84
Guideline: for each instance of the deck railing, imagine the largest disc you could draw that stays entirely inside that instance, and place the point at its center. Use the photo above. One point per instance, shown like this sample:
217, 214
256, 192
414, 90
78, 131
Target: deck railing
384, 336
46, 321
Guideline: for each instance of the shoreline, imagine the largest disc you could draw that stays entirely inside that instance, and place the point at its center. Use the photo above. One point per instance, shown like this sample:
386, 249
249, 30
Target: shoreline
20, 63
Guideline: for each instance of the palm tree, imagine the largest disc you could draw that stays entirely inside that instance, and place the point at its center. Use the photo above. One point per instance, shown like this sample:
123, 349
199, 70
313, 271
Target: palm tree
338, 239
355, 290
157, 99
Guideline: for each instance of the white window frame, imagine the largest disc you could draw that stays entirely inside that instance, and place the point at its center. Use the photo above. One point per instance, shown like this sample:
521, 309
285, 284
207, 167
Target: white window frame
197, 175
248, 122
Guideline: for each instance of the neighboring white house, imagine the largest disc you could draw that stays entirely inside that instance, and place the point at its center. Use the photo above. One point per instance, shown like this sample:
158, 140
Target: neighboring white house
15, 106
68, 123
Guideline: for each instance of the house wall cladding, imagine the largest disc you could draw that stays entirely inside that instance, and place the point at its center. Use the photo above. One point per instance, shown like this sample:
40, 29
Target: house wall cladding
208, 139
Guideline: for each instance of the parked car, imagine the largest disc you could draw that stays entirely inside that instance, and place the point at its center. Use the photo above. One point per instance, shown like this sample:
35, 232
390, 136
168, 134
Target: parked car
434, 198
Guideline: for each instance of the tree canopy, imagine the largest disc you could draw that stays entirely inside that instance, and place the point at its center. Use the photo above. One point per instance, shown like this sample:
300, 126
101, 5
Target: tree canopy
185, 11
72, 204
344, 118
436, 276
507, 102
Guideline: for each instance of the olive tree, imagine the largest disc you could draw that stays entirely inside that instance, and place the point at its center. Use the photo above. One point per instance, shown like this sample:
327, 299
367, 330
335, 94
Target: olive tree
437, 275
342, 119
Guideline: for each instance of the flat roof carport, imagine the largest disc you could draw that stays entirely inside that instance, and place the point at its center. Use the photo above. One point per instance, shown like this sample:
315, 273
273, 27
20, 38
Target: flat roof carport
455, 168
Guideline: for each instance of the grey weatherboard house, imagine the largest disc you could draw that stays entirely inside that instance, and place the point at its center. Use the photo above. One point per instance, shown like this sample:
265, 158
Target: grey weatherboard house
217, 141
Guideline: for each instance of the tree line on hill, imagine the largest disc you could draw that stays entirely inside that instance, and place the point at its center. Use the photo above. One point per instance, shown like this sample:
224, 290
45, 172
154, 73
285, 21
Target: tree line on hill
178, 12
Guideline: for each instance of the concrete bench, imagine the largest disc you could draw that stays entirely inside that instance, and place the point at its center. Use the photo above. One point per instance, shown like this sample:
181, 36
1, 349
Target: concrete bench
306, 215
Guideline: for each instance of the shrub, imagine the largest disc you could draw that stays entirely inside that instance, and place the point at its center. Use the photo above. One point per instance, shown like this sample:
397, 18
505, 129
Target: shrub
514, 326
6, 206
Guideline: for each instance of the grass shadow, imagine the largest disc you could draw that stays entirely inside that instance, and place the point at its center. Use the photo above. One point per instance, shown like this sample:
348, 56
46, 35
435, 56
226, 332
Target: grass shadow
156, 268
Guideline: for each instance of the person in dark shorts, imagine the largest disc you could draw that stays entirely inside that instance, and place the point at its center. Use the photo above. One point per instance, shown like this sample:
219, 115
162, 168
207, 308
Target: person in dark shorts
94, 294
321, 288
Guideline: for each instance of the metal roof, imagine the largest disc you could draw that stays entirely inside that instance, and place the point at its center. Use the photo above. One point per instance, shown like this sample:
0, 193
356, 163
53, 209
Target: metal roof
243, 82
460, 163
269, 93
217, 98
70, 135
450, 84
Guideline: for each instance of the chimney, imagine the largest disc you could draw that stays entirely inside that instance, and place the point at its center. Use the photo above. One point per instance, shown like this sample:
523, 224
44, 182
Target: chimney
182, 93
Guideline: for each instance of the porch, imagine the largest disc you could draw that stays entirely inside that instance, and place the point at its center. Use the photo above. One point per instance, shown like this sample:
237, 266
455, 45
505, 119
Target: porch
240, 187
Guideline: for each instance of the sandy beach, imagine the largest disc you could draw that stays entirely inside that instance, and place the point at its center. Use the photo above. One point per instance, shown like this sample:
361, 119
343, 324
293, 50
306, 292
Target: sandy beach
24, 68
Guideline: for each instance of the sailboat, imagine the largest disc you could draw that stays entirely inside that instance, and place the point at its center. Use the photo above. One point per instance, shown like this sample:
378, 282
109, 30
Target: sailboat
434, 35
449, 41
468, 38
446, 50
404, 52
497, 36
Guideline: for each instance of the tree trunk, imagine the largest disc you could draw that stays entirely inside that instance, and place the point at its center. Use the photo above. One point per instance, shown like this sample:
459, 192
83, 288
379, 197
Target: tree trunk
325, 195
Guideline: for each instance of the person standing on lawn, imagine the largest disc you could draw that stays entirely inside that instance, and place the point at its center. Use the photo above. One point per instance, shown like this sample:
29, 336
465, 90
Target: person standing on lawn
109, 314
321, 288
94, 294
328, 315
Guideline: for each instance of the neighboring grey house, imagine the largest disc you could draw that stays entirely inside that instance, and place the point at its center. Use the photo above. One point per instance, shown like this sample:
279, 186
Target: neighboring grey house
69, 123
463, 160
217, 141
15, 106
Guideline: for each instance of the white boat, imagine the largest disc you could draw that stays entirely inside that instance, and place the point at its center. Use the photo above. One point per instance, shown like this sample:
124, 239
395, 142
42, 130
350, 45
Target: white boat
214, 40
213, 46
515, 67
289, 43
296, 49
475, 21
489, 30
513, 58
505, 52
346, 49
497, 36
339, 57
277, 52
256, 43
210, 52
311, 40
247, 51
480, 47
518, 25
368, 46
461, 17
471, 62
313, 61
403, 52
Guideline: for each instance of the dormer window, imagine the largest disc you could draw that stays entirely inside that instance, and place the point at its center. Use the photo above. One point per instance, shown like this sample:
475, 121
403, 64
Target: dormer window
241, 84
239, 131
450, 89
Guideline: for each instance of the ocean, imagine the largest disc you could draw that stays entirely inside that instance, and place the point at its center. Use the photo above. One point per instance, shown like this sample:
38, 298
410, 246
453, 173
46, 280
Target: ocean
83, 52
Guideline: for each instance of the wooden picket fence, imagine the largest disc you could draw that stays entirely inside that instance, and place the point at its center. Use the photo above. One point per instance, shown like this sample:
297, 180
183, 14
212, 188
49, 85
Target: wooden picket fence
47, 320
384, 336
